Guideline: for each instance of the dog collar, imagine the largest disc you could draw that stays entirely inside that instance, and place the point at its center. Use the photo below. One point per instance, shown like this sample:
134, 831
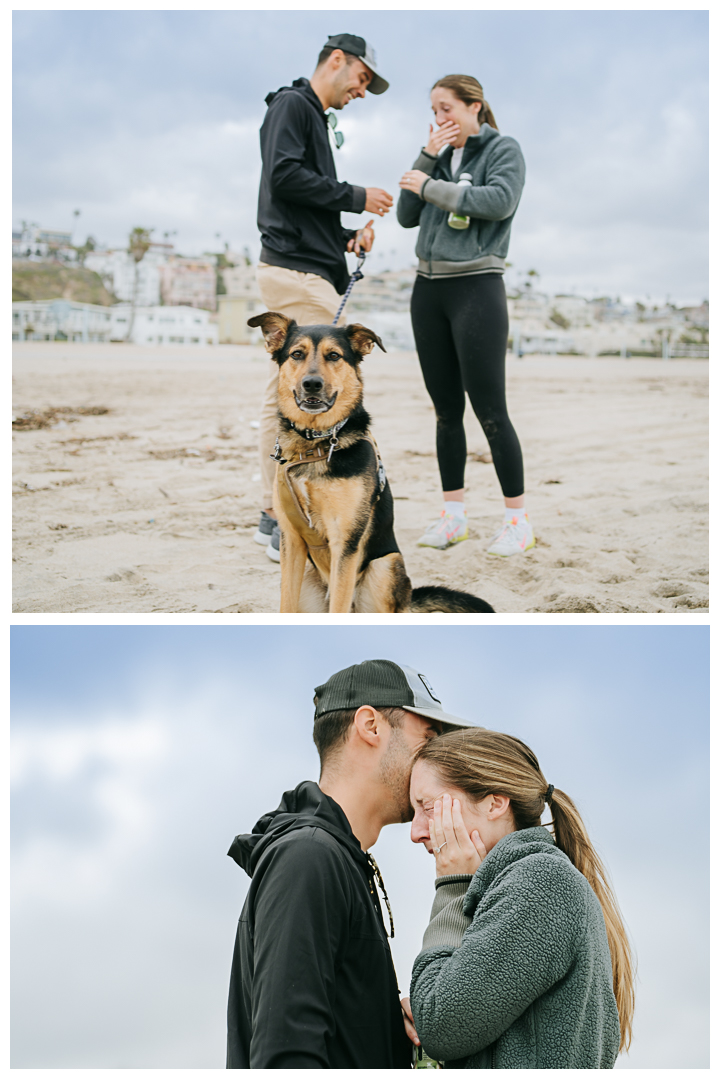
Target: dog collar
312, 433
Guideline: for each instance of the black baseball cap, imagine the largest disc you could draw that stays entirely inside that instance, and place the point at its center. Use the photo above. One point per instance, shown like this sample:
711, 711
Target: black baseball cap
383, 684
361, 48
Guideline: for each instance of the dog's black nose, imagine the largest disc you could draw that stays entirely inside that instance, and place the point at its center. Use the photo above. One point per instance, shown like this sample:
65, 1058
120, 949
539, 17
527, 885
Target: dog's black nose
312, 384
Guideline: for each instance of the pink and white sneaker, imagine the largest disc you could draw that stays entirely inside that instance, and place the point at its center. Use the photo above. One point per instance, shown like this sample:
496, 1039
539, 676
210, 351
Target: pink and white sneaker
447, 530
516, 537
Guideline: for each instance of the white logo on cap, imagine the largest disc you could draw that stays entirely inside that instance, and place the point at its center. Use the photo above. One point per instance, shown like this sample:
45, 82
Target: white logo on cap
429, 688
370, 54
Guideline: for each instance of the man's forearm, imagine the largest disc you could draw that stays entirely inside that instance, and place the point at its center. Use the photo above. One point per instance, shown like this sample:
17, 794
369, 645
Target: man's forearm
296, 184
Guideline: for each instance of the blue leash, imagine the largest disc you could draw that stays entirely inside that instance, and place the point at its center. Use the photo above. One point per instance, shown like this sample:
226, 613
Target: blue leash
355, 277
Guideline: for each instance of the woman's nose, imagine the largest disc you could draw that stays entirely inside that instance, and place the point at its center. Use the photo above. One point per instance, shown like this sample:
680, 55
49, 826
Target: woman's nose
419, 831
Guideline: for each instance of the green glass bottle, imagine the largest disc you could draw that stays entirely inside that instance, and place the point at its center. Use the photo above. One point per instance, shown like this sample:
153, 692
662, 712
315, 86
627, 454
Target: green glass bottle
457, 221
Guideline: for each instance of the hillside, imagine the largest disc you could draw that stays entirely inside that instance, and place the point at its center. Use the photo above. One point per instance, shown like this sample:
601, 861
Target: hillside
45, 281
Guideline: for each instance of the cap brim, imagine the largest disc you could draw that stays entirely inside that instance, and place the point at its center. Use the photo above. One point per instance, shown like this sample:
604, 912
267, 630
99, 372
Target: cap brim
378, 85
442, 717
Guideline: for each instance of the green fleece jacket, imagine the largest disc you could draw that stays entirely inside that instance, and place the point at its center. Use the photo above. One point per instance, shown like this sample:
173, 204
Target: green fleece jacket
528, 984
497, 167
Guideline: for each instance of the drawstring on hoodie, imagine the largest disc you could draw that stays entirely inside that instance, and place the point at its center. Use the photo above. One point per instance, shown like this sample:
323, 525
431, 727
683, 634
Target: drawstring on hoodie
381, 883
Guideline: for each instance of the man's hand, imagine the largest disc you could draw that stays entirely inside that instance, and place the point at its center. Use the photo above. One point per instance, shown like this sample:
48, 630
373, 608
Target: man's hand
456, 851
446, 133
364, 238
408, 1018
377, 201
414, 180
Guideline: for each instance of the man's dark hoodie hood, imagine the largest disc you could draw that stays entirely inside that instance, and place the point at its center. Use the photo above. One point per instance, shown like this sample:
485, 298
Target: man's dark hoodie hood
306, 806
303, 87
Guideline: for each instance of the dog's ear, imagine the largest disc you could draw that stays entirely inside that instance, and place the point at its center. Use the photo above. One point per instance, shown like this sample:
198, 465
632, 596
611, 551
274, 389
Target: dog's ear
362, 339
275, 328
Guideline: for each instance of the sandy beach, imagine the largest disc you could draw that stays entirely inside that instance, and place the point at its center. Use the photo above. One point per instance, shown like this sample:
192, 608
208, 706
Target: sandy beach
152, 505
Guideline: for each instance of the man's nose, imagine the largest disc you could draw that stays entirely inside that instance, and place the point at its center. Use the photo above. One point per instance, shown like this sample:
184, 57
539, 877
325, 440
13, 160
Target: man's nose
361, 91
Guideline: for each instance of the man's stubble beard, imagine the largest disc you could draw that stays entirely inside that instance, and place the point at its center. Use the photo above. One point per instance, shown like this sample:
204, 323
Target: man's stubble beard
395, 769
340, 89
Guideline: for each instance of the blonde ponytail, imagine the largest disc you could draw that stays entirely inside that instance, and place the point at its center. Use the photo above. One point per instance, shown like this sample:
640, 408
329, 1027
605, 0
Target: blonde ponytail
571, 837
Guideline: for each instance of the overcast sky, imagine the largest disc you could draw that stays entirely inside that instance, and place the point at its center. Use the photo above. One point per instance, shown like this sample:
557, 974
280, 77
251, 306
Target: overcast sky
139, 752
151, 118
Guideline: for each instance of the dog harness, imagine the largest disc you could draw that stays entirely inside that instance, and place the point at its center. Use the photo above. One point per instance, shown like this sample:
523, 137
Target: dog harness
316, 455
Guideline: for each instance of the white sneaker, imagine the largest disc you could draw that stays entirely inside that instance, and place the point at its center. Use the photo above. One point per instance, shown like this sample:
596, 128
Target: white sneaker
514, 538
447, 530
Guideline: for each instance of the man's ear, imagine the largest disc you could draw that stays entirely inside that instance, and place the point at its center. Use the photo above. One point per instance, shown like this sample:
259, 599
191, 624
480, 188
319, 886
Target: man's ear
275, 328
362, 339
366, 724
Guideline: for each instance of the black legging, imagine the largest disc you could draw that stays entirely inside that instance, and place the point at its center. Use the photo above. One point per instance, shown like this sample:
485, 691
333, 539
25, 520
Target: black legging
461, 328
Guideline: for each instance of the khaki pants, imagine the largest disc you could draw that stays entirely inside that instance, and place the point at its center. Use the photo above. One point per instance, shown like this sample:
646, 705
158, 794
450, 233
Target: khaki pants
307, 298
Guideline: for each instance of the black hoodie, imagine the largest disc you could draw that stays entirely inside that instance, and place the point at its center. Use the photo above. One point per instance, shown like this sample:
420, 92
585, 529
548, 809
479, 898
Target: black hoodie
313, 984
300, 196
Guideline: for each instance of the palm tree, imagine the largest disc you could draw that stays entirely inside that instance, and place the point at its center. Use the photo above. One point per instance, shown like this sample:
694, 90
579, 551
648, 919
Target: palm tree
137, 247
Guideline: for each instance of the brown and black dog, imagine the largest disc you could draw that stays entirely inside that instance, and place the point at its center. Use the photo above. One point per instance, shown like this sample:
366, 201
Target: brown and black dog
338, 551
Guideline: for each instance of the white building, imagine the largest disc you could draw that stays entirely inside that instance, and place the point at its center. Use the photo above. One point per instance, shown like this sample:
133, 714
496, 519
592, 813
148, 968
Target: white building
33, 242
164, 325
67, 320
60, 320
575, 309
117, 269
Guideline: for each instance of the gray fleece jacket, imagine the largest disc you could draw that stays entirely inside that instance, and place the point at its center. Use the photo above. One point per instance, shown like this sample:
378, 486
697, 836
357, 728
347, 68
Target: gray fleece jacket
497, 167
528, 983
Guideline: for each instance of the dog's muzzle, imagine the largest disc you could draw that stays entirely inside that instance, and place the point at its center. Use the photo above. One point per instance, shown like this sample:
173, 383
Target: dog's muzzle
312, 403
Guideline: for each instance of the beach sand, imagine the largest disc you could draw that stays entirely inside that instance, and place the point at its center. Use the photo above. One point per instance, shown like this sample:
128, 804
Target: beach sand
152, 506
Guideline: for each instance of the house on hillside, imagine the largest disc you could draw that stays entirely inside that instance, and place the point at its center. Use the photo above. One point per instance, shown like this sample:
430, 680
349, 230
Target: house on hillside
34, 242
189, 281
116, 267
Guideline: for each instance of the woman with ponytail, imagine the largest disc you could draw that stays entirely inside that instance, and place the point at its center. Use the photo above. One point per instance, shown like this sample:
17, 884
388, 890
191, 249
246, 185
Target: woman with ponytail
463, 192
525, 963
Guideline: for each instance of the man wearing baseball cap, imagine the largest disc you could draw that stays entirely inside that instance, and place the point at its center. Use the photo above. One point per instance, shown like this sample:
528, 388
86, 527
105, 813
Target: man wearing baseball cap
313, 984
302, 271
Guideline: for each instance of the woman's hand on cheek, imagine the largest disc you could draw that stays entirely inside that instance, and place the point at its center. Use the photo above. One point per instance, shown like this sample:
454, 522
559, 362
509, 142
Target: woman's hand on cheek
456, 851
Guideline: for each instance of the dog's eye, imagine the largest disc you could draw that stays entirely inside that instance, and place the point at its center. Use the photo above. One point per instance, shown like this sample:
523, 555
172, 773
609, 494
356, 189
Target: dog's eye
298, 354
333, 356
